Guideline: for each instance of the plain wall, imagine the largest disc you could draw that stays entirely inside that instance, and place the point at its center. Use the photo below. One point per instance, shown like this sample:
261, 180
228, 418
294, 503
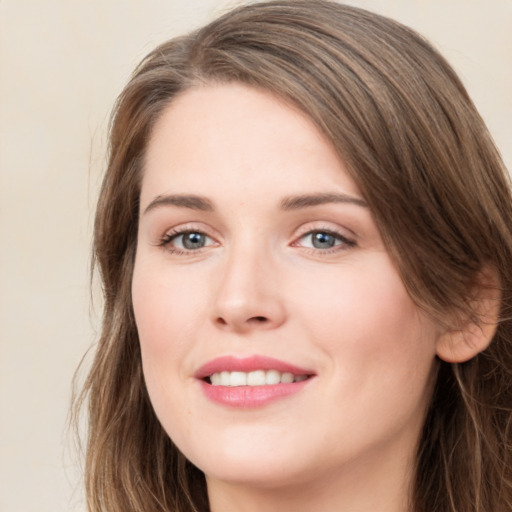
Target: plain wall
62, 63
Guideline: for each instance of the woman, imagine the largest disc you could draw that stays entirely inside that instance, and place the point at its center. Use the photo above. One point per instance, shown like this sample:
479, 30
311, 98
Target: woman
304, 237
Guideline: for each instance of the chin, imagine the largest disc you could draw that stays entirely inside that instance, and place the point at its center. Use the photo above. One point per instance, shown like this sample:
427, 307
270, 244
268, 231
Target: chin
258, 474
264, 465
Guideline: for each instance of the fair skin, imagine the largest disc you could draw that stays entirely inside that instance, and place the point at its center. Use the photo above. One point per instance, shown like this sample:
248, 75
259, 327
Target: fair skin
254, 241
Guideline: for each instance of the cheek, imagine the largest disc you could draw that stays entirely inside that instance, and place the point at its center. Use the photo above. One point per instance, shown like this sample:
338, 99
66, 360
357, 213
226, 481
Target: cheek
166, 320
163, 322
368, 326
166, 308
379, 351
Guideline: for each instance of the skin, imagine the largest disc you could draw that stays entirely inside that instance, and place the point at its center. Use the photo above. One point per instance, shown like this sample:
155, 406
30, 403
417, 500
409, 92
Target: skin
259, 286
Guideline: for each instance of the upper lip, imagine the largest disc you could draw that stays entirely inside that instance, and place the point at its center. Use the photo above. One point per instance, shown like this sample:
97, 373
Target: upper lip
248, 364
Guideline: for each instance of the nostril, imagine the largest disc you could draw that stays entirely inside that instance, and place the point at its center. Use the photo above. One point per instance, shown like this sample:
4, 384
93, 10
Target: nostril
258, 319
241, 322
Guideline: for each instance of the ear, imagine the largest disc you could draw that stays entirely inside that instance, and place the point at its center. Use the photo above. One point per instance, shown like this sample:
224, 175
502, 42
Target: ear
474, 334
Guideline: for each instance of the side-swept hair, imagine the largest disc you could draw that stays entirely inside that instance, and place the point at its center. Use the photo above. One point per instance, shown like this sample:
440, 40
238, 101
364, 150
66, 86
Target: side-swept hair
422, 158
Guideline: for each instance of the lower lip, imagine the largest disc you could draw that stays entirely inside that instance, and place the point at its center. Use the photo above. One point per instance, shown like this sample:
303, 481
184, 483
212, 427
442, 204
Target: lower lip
250, 396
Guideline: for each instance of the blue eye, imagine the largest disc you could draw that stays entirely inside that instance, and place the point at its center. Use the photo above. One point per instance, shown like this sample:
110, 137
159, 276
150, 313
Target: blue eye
193, 240
187, 241
322, 239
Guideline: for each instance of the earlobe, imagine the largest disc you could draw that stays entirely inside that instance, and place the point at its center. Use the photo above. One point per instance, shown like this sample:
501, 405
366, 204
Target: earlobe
474, 334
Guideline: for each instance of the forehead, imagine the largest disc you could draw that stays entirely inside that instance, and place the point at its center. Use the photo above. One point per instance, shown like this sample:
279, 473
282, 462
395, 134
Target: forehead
233, 134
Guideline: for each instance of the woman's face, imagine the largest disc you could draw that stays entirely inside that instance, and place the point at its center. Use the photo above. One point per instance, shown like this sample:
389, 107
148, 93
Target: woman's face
279, 344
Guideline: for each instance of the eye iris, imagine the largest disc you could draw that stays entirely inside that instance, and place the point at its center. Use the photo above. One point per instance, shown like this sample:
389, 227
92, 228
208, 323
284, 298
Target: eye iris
193, 240
323, 240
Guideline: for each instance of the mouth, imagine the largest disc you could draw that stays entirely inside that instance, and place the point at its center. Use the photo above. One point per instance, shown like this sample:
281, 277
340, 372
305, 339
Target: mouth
252, 381
253, 378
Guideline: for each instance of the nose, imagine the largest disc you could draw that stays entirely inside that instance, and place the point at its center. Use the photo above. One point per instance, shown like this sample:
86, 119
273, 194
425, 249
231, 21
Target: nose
248, 297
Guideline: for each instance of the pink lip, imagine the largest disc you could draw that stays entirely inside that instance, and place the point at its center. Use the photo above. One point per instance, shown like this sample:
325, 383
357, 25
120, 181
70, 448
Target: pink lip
248, 364
249, 396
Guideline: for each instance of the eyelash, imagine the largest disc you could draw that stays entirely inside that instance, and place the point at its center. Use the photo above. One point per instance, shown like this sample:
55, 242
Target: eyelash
345, 243
168, 238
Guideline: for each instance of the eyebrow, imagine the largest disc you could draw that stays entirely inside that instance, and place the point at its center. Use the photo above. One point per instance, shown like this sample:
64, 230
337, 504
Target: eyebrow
182, 200
309, 200
203, 204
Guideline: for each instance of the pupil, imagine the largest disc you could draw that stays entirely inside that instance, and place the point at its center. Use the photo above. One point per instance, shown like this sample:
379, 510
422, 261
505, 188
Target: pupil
193, 240
323, 240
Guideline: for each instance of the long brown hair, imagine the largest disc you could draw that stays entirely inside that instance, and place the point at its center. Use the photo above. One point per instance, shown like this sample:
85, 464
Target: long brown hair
419, 152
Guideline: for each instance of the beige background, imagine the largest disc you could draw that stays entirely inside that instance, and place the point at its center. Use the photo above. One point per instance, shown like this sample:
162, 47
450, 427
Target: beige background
62, 63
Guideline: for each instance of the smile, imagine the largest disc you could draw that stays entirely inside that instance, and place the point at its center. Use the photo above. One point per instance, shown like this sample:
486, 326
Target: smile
252, 381
254, 378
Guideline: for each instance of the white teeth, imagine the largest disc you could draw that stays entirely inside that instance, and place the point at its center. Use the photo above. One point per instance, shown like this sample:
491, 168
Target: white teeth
255, 378
272, 377
238, 379
286, 378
